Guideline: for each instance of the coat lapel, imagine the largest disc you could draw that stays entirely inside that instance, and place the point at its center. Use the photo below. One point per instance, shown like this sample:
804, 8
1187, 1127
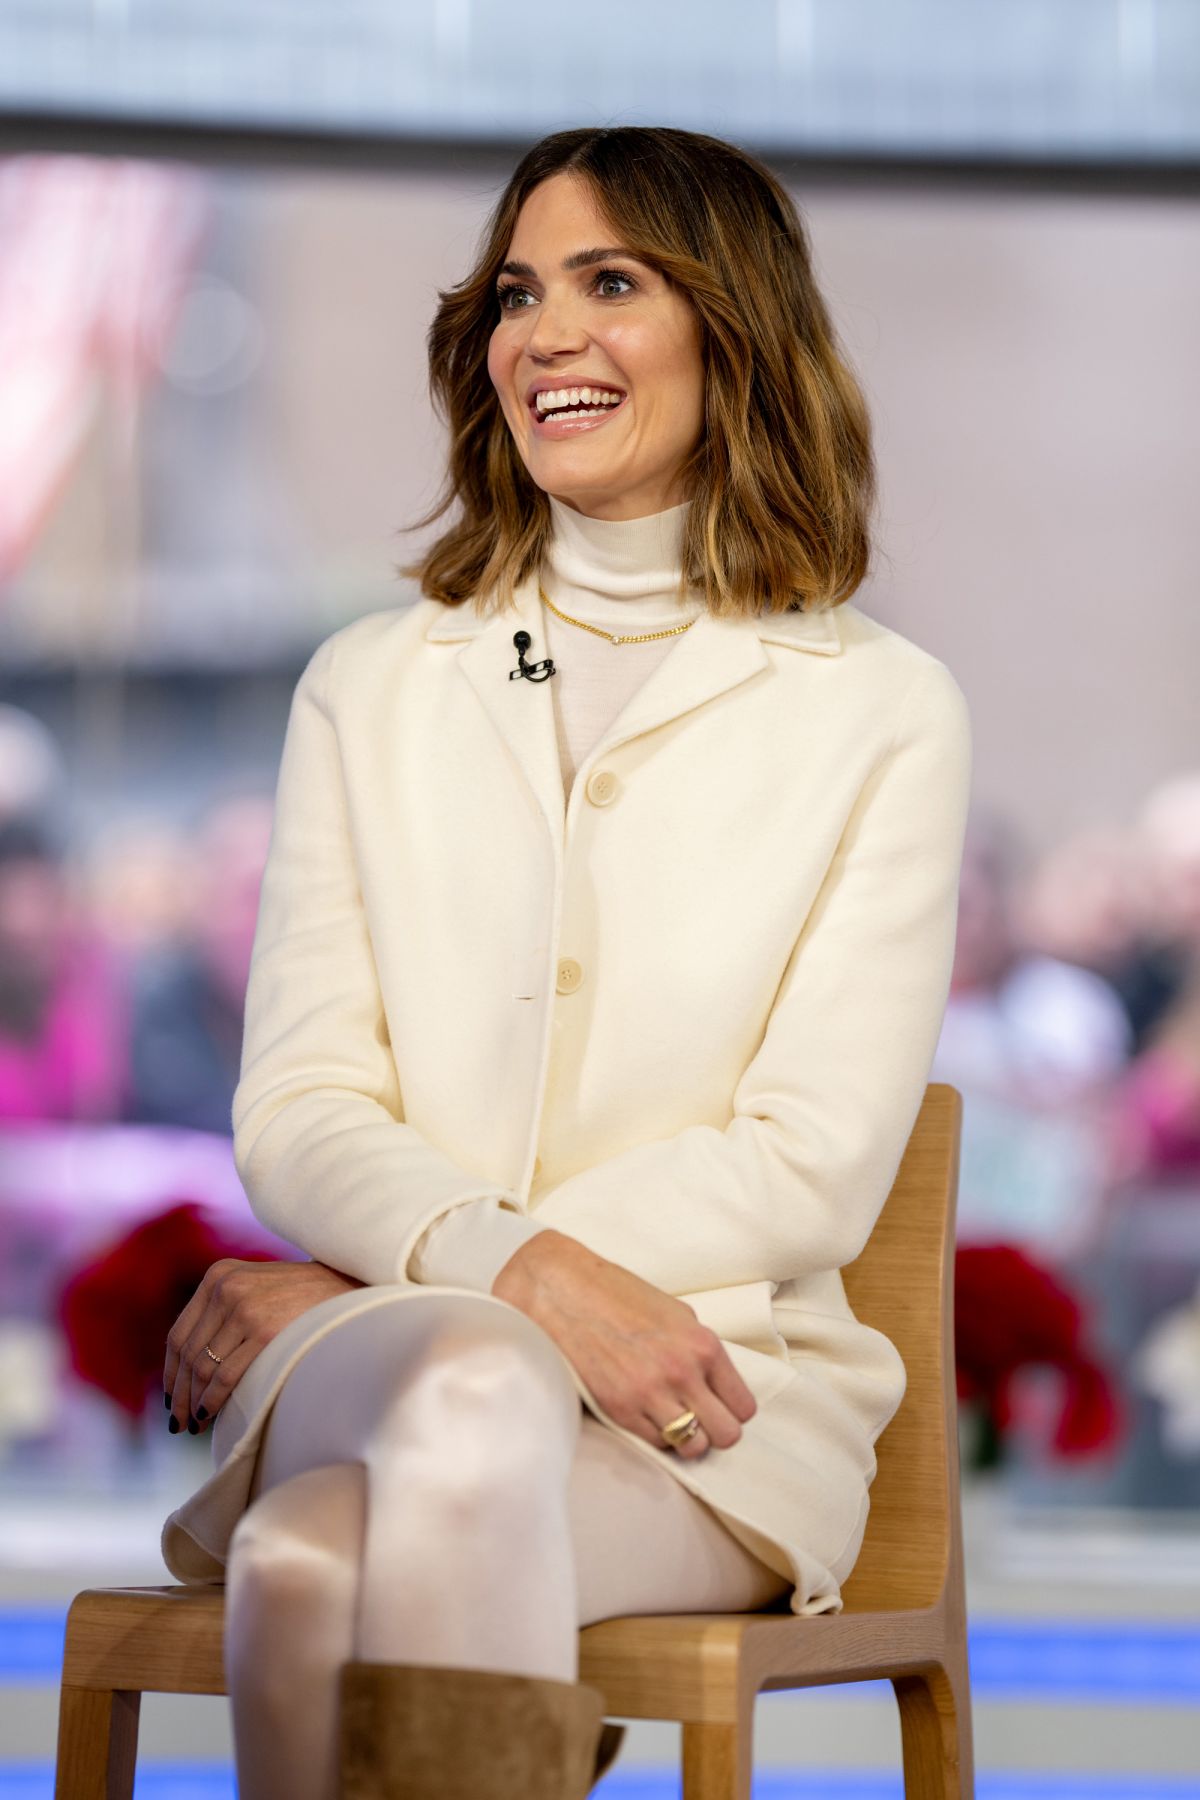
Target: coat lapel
521, 711
709, 659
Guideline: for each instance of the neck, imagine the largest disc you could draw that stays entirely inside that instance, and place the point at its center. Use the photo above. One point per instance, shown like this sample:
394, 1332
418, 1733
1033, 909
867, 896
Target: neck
620, 558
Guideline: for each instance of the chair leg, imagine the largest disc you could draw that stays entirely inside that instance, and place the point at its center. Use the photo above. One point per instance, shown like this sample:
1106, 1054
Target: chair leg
717, 1761
97, 1743
935, 1729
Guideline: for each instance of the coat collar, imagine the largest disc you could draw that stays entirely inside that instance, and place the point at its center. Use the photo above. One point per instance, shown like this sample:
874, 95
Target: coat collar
709, 659
815, 631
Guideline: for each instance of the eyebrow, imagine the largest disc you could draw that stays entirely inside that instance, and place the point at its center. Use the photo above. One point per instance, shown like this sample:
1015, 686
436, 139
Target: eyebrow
578, 259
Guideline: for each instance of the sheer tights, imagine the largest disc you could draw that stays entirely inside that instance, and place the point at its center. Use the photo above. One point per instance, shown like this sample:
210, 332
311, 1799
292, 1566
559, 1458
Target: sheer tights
431, 1489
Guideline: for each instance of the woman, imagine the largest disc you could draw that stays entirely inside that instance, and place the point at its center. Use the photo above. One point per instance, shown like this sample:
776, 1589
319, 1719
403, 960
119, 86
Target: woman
603, 947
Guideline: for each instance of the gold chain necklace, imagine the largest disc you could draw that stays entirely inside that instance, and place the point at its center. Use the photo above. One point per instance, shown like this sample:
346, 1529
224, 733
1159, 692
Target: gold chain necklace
612, 636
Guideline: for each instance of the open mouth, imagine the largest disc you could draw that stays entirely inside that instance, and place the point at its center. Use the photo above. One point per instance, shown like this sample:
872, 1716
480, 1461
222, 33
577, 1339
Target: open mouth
558, 412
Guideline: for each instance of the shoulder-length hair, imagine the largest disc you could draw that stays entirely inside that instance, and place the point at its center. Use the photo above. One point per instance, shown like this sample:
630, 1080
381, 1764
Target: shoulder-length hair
782, 480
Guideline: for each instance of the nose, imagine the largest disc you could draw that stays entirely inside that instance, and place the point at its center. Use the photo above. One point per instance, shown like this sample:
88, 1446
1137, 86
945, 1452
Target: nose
557, 327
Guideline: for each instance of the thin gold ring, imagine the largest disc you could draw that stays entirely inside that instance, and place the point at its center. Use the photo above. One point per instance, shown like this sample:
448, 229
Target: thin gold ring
681, 1429
208, 1352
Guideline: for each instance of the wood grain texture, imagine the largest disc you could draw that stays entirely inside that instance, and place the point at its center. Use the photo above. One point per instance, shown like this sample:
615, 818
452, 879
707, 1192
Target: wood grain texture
904, 1616
97, 1743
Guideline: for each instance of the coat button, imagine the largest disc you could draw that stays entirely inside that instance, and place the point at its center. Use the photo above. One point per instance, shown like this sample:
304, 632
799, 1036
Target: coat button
569, 975
602, 787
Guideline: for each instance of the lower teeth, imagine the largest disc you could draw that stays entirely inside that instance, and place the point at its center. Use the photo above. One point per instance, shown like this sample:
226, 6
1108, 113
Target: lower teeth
576, 412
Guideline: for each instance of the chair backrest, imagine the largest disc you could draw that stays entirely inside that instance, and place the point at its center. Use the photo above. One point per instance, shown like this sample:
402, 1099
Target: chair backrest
903, 1284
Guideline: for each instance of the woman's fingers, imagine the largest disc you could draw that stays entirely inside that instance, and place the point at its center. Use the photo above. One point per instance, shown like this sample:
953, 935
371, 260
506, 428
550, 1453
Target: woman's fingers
193, 1366
200, 1323
718, 1428
697, 1445
720, 1399
212, 1384
181, 1330
729, 1387
227, 1329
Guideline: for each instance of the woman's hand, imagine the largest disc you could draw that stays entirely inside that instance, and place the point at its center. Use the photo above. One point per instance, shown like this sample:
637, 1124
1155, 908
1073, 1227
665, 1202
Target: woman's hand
237, 1309
643, 1354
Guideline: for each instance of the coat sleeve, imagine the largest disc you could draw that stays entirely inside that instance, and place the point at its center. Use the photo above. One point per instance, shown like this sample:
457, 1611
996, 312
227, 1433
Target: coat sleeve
822, 1114
469, 1245
319, 1136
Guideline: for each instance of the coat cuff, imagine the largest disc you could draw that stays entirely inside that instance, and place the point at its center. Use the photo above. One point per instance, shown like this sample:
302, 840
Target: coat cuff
468, 1245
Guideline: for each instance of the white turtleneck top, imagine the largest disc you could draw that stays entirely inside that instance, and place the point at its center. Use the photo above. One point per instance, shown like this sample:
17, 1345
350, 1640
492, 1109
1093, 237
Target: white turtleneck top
621, 575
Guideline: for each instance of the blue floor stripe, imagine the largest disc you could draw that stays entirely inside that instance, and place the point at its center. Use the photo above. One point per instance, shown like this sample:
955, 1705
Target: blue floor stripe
164, 1781
31, 1644
1106, 1658
1143, 1663
35, 1781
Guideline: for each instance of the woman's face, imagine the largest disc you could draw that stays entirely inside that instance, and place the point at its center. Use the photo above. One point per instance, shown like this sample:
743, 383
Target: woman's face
575, 311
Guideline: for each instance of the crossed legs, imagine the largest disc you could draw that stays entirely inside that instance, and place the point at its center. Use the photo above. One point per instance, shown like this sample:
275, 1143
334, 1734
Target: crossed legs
431, 1490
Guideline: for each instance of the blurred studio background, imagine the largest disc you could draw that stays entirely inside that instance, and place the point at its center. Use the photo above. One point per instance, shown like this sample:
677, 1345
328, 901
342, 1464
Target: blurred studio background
222, 230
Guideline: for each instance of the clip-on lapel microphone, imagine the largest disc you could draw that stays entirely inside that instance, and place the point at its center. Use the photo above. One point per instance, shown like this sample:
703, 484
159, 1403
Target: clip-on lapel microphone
528, 671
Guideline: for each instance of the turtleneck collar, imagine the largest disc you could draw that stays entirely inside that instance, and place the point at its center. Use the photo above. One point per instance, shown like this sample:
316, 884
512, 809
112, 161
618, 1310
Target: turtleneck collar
618, 559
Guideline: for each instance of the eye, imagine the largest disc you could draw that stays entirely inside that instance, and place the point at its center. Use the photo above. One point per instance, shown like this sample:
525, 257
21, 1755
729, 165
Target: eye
614, 275
506, 288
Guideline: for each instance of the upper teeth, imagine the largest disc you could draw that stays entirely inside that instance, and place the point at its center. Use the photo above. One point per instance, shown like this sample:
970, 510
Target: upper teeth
549, 398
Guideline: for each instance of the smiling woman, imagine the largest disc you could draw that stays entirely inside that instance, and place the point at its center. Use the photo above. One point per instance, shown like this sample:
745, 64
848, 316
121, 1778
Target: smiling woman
672, 270
588, 1019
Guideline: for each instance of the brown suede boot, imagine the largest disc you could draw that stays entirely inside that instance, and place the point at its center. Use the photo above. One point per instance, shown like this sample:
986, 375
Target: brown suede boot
414, 1732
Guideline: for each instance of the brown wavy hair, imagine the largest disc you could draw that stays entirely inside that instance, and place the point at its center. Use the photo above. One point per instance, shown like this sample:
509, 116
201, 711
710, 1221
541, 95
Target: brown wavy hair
782, 479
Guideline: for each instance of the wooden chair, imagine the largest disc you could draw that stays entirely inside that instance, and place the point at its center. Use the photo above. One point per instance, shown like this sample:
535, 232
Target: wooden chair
904, 1615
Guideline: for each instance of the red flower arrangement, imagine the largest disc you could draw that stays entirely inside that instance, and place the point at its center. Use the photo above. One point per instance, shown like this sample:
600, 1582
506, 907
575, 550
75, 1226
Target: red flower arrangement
116, 1311
1009, 1314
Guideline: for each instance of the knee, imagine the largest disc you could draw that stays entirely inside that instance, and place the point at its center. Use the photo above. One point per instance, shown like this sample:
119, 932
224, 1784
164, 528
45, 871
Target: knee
513, 1386
294, 1553
499, 1420
267, 1569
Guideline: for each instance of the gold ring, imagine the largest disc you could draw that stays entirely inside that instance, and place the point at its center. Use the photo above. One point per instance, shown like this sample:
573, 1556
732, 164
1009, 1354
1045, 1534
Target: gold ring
680, 1429
208, 1352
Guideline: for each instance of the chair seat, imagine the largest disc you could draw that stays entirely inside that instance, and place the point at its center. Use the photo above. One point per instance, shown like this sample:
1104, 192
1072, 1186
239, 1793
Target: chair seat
699, 1666
149, 1640
683, 1666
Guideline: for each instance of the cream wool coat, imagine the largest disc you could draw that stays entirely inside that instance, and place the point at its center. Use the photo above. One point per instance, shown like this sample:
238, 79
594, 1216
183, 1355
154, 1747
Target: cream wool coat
689, 1023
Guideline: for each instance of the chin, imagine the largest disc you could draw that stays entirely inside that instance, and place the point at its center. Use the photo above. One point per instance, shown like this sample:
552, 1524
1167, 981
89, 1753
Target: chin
564, 482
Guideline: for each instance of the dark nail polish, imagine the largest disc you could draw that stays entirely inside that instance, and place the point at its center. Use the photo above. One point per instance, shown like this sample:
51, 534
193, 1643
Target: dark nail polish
193, 1427
172, 1424
202, 1412
167, 1398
